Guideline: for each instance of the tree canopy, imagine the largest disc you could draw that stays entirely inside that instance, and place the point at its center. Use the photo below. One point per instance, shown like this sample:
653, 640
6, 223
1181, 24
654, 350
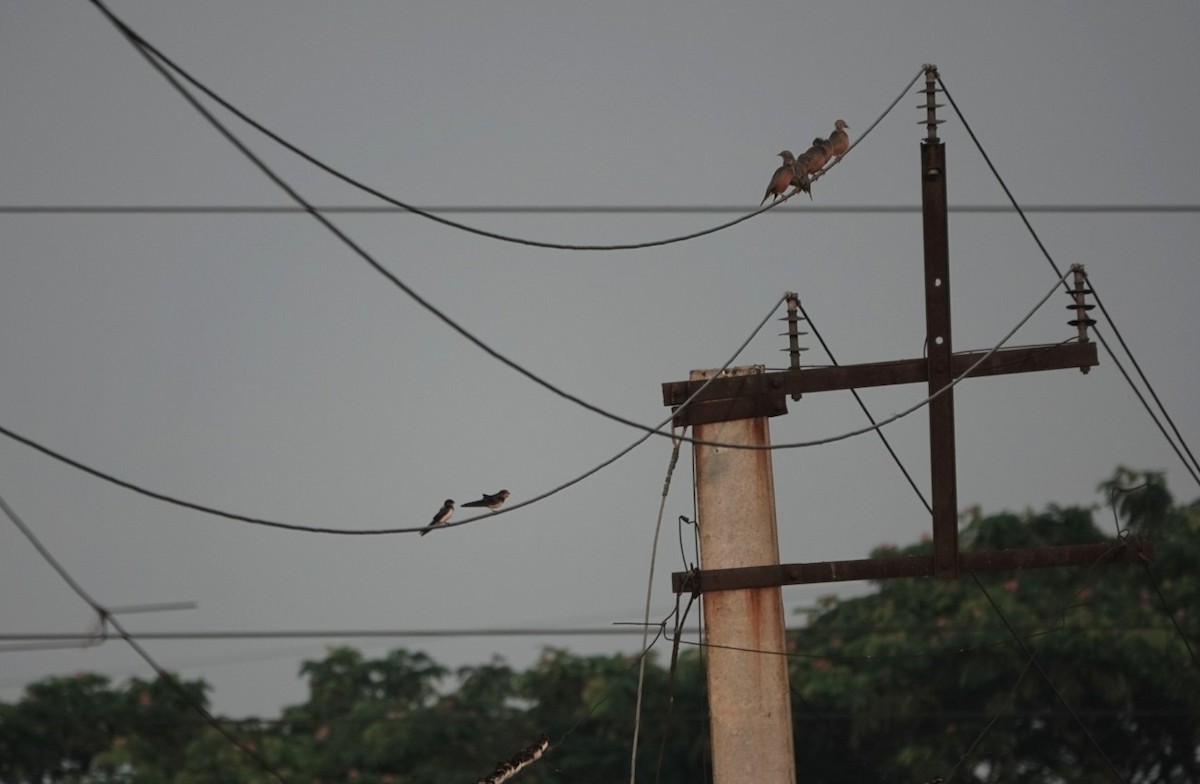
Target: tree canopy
920, 678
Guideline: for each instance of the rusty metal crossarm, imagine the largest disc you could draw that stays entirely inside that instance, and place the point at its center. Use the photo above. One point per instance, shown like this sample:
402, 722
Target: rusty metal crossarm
1023, 359
764, 395
707, 580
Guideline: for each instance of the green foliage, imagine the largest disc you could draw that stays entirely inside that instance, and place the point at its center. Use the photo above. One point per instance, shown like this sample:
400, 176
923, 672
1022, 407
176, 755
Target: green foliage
902, 682
919, 678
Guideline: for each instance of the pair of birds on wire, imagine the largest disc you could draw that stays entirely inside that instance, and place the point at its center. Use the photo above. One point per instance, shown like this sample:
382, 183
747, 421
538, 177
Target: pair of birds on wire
492, 501
795, 171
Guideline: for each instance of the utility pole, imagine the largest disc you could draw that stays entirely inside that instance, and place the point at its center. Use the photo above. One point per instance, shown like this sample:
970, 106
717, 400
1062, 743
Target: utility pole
749, 702
943, 475
740, 575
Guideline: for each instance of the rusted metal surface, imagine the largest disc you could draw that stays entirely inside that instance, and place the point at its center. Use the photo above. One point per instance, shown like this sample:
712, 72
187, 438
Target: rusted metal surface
718, 580
746, 407
748, 692
942, 466
1026, 359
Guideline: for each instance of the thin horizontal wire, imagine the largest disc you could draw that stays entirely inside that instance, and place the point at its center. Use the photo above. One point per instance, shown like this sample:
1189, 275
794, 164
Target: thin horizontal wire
839, 657
252, 723
632, 628
579, 209
147, 48
328, 634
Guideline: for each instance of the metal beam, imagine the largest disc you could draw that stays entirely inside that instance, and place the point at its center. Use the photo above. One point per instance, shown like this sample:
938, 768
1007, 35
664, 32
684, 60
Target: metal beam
708, 580
1023, 359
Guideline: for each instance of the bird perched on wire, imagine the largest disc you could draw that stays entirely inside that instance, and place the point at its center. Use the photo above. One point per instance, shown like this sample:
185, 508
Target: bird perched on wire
838, 141
800, 170
493, 502
441, 518
818, 155
781, 179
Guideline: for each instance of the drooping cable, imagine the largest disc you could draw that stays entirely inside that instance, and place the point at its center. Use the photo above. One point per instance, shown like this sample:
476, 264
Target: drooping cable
169, 499
637, 711
145, 46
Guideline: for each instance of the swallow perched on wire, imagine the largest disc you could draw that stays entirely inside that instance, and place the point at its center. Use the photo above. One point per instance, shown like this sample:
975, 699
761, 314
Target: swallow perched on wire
838, 141
441, 518
493, 502
781, 179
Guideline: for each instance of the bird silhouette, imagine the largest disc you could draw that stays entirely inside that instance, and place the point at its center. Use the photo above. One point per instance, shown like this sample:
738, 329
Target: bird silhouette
441, 518
493, 502
781, 179
838, 141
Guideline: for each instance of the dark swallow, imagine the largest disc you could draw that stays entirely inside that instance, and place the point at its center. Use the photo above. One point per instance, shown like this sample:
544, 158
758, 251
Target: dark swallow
441, 518
493, 502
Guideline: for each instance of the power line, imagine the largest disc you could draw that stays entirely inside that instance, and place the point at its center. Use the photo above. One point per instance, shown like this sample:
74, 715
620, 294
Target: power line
641, 681
875, 426
545, 631
1031, 660
106, 617
146, 48
650, 431
1138, 367
335, 634
169, 499
581, 209
1054, 265
862, 405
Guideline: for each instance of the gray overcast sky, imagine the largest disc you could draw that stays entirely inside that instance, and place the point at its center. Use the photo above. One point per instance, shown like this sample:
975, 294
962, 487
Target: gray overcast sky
255, 364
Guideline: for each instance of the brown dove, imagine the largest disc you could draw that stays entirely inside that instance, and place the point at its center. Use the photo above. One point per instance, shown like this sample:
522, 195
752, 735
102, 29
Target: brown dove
838, 141
818, 155
781, 179
800, 175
